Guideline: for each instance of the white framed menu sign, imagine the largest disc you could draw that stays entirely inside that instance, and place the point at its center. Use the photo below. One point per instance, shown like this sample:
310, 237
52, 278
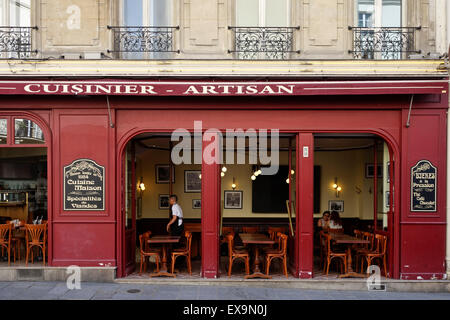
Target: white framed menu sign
423, 187
84, 186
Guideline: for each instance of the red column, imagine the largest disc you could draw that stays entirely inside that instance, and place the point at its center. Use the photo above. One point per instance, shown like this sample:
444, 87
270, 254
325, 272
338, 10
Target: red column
305, 205
210, 216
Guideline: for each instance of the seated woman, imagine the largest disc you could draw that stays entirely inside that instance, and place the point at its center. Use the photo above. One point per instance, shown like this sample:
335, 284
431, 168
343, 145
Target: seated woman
335, 220
324, 222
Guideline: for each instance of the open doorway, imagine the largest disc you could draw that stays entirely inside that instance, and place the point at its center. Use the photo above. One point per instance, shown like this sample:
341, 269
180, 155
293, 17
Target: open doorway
352, 200
150, 178
258, 210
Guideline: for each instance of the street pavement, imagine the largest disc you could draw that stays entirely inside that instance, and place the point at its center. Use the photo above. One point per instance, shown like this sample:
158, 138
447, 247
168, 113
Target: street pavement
115, 291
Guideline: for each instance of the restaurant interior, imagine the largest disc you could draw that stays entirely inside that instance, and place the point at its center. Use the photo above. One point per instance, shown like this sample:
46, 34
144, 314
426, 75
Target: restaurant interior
257, 215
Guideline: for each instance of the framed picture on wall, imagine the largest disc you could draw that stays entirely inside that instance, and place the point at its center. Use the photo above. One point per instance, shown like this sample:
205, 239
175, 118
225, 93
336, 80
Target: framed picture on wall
336, 205
370, 169
196, 203
232, 199
162, 173
163, 201
192, 181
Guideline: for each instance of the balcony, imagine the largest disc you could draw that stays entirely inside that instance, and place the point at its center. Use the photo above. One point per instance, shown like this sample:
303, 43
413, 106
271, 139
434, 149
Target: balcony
129, 39
271, 43
383, 43
15, 42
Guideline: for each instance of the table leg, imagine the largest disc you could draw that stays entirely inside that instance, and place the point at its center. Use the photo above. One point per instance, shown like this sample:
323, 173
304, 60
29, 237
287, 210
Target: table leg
163, 270
350, 273
256, 271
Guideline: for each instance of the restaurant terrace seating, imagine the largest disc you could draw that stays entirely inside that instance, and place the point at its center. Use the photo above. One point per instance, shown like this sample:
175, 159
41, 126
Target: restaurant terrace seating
186, 251
146, 252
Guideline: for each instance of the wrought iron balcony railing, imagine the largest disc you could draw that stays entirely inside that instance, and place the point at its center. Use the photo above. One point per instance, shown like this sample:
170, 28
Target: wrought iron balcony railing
15, 42
383, 43
275, 43
143, 39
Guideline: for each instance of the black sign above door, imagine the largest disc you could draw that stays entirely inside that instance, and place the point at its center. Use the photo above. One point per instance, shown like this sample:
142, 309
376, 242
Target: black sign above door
84, 186
423, 187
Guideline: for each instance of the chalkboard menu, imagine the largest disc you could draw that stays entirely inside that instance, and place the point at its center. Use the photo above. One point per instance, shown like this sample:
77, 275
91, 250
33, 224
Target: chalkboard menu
84, 186
423, 187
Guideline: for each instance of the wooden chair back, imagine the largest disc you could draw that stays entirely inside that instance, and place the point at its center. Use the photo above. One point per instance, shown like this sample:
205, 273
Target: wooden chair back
36, 233
250, 229
381, 243
227, 230
230, 241
283, 243
369, 237
188, 236
5, 234
273, 231
358, 233
143, 244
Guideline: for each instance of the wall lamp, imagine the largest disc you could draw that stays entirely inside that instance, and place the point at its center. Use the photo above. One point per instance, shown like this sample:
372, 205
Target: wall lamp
141, 186
233, 185
337, 187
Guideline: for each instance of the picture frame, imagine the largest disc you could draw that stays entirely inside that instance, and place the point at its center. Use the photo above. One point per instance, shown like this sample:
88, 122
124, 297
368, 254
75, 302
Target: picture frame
370, 169
336, 205
162, 173
192, 181
232, 199
196, 203
163, 201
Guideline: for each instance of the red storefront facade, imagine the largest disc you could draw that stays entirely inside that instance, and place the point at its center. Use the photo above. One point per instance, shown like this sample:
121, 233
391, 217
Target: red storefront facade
83, 121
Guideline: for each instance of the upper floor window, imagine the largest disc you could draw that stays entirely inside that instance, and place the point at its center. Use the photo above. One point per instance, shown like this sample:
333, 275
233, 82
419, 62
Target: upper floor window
263, 29
379, 31
27, 132
15, 30
146, 29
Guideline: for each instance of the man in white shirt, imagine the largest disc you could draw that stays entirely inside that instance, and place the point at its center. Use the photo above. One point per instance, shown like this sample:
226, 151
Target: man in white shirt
175, 226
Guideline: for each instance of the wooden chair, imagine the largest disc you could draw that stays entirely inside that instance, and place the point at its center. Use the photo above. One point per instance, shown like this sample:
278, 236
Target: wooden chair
234, 254
36, 237
273, 232
17, 239
378, 253
365, 248
330, 255
225, 231
250, 229
186, 252
280, 253
146, 252
5, 239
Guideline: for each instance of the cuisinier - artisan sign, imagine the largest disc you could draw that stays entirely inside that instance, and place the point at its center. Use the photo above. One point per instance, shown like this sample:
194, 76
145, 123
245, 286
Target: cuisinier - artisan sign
423, 187
84, 186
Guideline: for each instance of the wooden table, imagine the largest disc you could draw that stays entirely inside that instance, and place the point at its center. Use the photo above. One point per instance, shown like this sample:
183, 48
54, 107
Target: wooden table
164, 240
256, 239
350, 241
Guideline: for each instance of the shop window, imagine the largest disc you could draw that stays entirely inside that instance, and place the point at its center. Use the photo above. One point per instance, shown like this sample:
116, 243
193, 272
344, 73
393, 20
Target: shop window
3, 131
27, 132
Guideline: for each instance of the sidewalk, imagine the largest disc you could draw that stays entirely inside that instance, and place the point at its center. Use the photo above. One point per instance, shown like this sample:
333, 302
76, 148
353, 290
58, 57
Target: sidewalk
124, 291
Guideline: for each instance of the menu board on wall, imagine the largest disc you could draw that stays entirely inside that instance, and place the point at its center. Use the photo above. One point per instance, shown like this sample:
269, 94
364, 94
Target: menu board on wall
84, 186
423, 187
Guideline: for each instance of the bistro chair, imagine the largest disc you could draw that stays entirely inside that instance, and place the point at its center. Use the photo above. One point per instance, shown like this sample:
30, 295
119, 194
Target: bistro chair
35, 237
5, 239
273, 232
280, 253
17, 239
378, 253
365, 248
225, 231
146, 252
234, 254
186, 252
330, 255
250, 229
